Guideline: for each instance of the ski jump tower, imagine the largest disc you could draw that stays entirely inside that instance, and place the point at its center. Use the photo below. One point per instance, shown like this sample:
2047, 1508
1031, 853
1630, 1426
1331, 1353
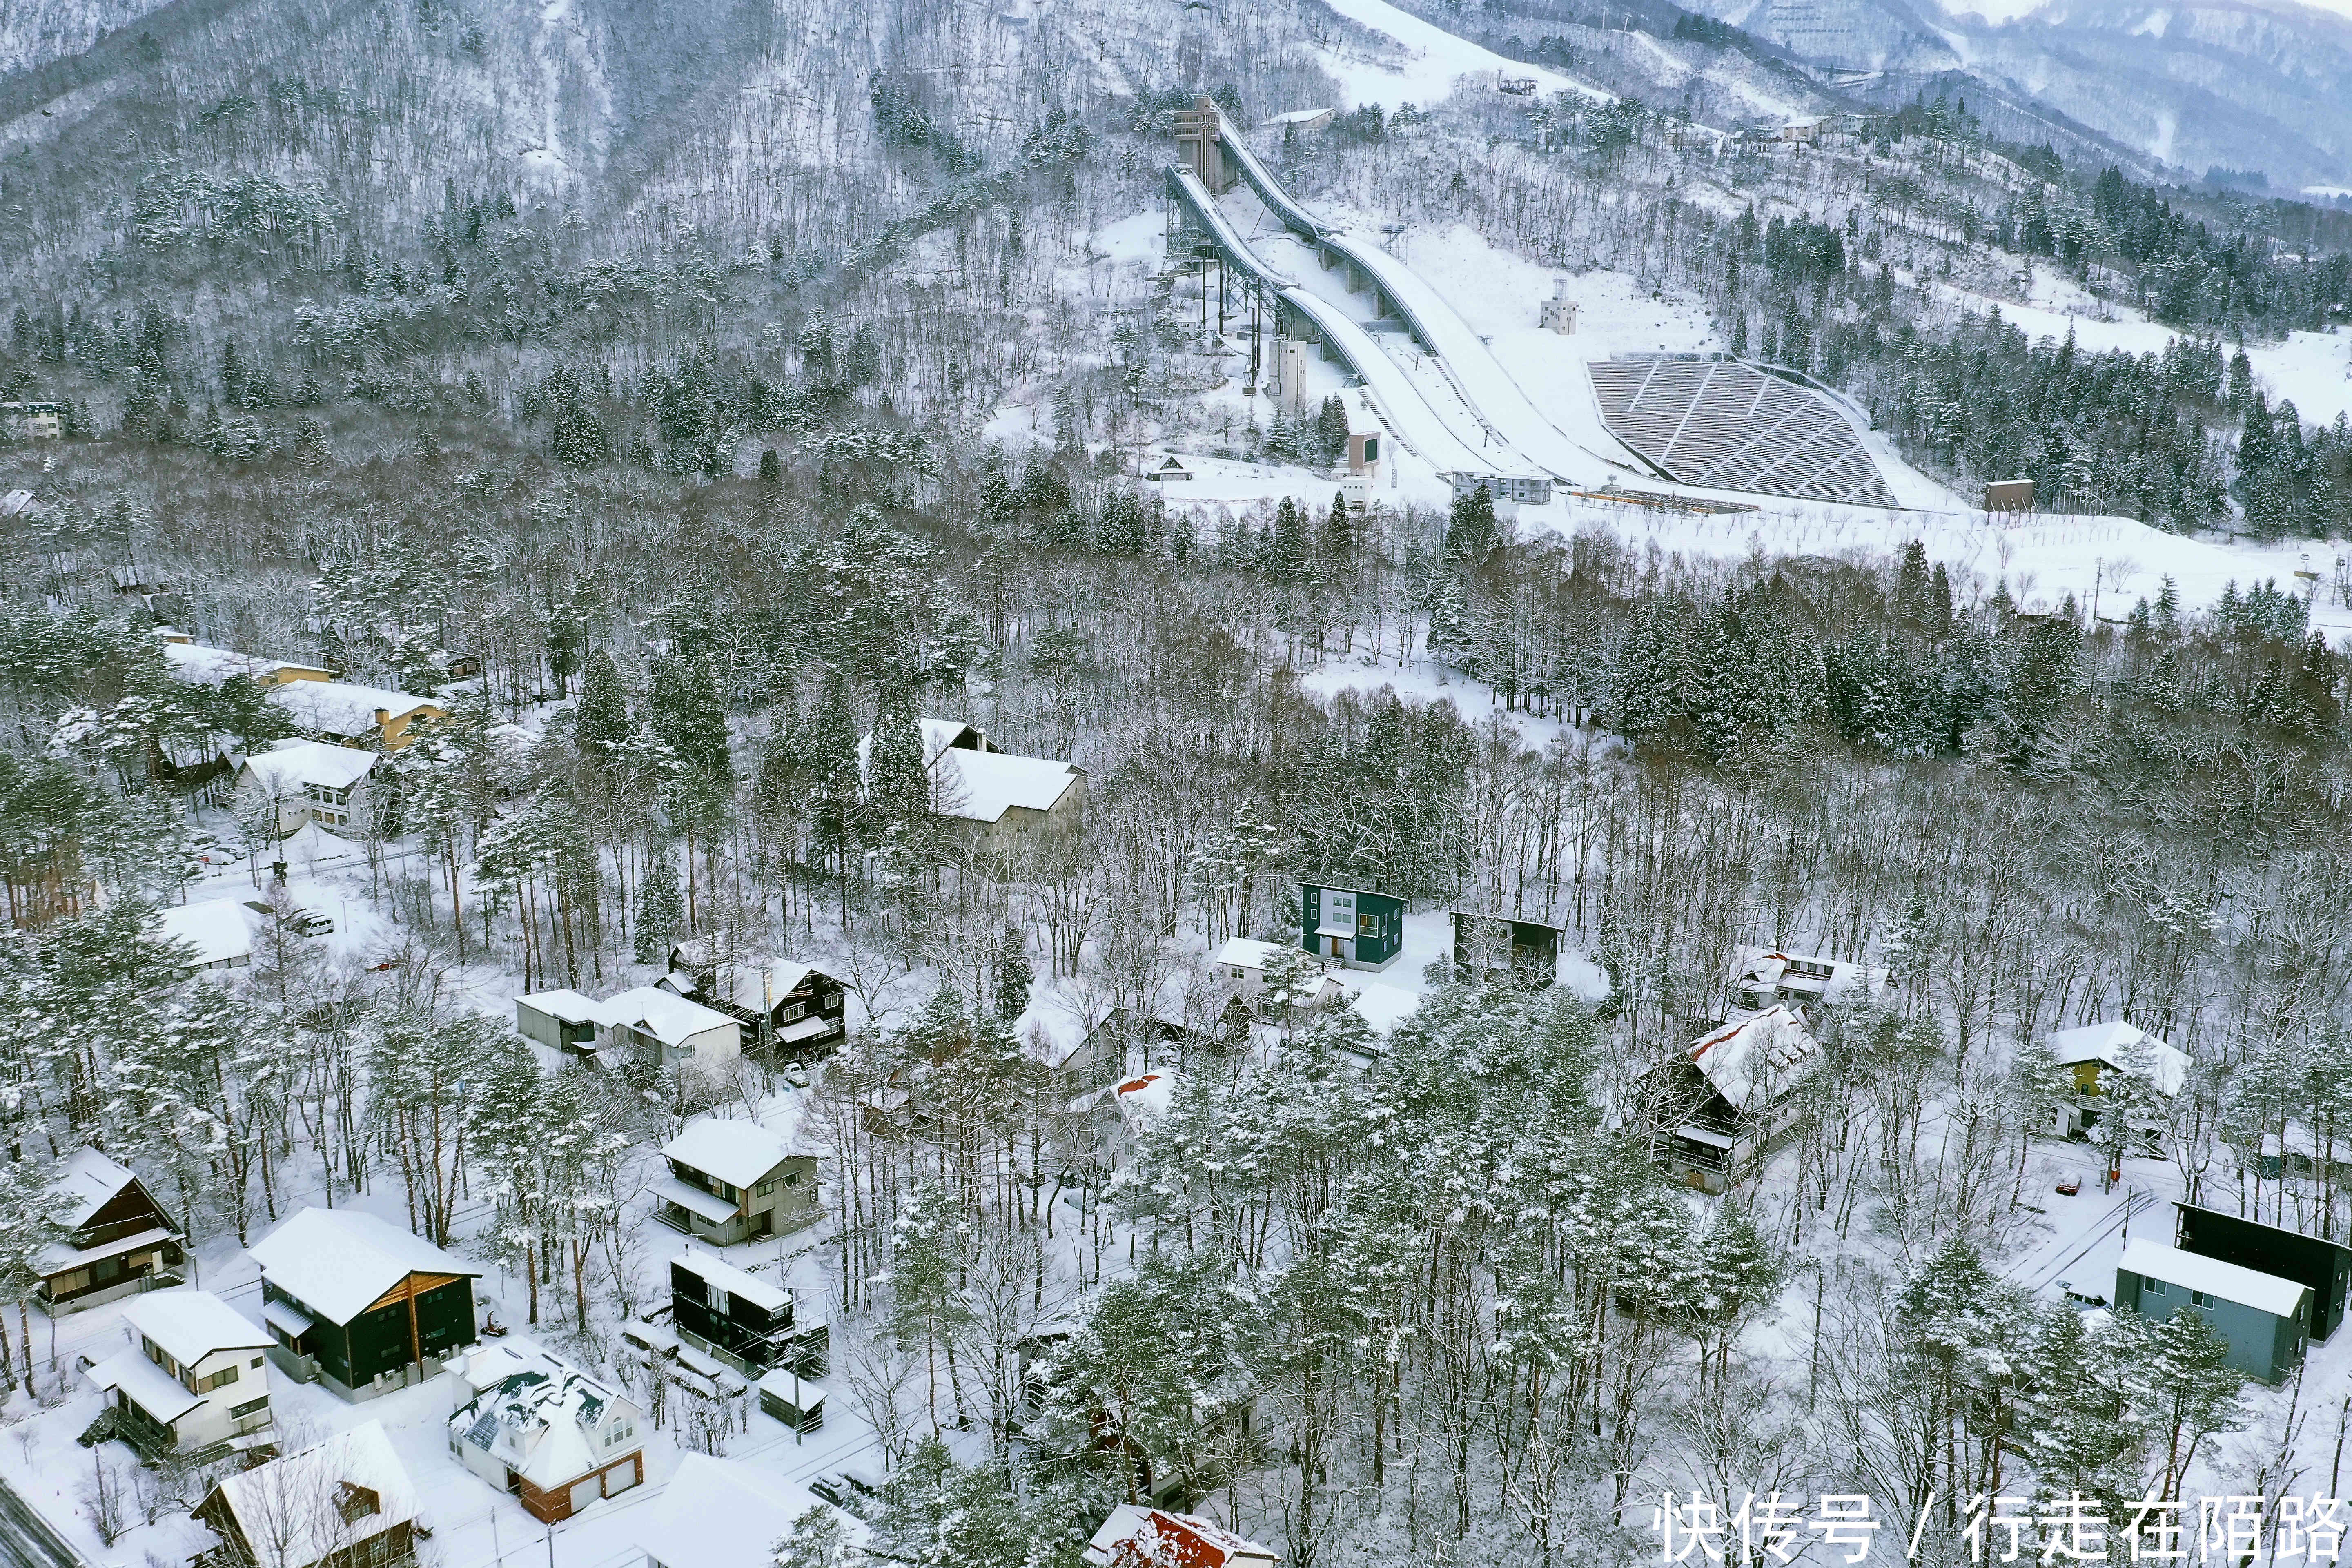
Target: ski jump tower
1197, 142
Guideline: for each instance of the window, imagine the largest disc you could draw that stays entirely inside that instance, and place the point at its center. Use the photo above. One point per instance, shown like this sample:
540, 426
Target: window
2151, 1287
220, 1379
1368, 925
792, 1014
766, 1187
623, 1430
250, 1407
2200, 1299
357, 1502
256, 1364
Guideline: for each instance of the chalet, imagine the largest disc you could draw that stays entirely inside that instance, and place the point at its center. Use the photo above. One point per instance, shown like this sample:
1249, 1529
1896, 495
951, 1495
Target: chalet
200, 664
344, 714
560, 1020
744, 1322
309, 781
1242, 963
140, 577
119, 1238
1170, 471
721, 1513
2097, 1053
343, 1503
2324, 1267
360, 1304
1360, 928
215, 934
2265, 1319
660, 1026
782, 1004
735, 1181
996, 796
1137, 1537
195, 1383
1486, 947
1766, 977
539, 1429
1090, 1061
1723, 1100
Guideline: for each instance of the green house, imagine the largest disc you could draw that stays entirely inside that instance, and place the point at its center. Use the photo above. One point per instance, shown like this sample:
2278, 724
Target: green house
1360, 928
360, 1304
2264, 1317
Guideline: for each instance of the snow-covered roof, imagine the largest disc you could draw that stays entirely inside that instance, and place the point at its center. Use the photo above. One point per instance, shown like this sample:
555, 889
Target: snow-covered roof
721, 1513
733, 1280
151, 1388
337, 1262
1755, 1060
2113, 1043
341, 708
289, 1503
938, 735
1384, 1007
85, 1182
541, 1415
1247, 952
982, 786
201, 664
756, 986
1299, 116
290, 765
665, 1014
1135, 1537
216, 930
737, 1153
192, 1324
2248, 1286
570, 1006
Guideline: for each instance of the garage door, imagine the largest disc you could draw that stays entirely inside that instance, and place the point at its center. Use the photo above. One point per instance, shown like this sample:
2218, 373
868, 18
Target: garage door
620, 1479
584, 1493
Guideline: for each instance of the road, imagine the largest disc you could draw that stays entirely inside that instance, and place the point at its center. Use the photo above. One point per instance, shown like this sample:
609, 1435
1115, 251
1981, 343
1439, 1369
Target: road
26, 1539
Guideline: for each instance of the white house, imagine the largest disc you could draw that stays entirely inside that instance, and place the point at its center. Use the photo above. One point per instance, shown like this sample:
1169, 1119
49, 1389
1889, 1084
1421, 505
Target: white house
1242, 961
538, 1427
1768, 976
735, 1181
657, 1022
196, 1377
310, 781
216, 931
722, 1513
347, 1501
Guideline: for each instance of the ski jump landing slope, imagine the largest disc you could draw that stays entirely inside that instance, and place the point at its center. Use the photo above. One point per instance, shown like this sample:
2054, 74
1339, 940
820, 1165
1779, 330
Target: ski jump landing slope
1490, 393
1391, 392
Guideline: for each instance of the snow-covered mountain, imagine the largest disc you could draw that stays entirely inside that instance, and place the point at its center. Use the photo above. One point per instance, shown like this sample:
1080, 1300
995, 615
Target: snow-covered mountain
34, 32
2240, 85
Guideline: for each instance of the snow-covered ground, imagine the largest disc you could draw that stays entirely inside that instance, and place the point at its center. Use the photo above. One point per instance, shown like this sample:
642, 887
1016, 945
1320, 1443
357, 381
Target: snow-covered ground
1427, 60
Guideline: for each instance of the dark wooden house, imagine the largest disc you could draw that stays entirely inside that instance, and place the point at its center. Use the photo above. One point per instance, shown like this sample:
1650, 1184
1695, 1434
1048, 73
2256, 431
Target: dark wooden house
2324, 1266
745, 1322
361, 1305
789, 1008
1485, 946
119, 1240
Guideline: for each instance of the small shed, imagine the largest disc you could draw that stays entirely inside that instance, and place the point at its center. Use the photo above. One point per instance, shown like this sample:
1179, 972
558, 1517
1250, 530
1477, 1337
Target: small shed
2008, 495
792, 1399
1359, 928
1557, 314
560, 1020
2264, 1317
1169, 471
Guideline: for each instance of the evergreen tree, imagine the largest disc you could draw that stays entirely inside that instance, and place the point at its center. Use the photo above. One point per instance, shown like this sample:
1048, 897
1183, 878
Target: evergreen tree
660, 907
601, 721
1331, 430
833, 759
1013, 975
898, 779
688, 715
1471, 534
1289, 553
